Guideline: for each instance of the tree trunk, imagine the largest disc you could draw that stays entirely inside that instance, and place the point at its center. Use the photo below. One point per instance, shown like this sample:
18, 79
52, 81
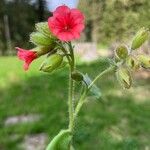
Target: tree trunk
41, 4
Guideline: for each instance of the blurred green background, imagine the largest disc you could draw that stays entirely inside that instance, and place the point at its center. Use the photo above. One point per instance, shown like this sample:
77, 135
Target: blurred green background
33, 105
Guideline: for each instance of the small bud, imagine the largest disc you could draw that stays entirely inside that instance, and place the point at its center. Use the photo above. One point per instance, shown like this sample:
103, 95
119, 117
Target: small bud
77, 76
40, 39
122, 51
124, 77
140, 38
132, 63
43, 28
144, 61
53, 62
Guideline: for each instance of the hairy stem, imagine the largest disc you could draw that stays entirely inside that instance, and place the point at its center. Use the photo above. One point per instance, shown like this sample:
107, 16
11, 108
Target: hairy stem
71, 90
80, 103
70, 103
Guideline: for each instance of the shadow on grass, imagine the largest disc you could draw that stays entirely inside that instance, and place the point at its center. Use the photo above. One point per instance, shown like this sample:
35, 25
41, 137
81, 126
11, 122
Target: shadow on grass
115, 124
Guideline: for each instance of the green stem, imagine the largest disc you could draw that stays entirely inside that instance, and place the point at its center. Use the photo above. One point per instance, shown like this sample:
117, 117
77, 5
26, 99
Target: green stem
83, 96
80, 103
65, 53
71, 90
70, 103
109, 70
71, 61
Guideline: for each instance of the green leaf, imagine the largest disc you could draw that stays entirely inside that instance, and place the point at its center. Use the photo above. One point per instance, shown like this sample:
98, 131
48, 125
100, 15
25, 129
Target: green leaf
61, 141
95, 91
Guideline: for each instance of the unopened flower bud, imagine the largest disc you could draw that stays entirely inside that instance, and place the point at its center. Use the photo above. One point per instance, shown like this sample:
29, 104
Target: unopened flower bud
140, 38
124, 77
40, 39
53, 62
122, 51
77, 76
43, 28
132, 63
144, 61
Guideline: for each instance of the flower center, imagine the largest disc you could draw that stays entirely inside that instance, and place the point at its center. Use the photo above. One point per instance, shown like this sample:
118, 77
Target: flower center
66, 28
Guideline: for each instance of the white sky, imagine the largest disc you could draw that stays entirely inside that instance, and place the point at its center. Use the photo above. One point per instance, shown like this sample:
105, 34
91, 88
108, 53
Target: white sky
52, 4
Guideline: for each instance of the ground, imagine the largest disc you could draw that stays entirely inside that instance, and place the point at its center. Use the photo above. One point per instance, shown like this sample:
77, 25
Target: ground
117, 121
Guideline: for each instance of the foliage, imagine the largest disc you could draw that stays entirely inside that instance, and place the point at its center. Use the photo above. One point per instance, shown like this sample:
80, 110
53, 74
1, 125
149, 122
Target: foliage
118, 17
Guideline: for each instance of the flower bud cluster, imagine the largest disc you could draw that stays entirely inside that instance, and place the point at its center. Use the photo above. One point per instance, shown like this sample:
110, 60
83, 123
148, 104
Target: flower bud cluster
127, 61
45, 43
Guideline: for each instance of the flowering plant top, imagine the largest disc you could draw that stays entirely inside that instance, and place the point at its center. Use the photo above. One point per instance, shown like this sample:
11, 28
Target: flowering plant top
53, 38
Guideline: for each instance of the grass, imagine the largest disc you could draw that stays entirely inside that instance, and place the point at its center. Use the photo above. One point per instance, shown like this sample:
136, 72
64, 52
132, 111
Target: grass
118, 121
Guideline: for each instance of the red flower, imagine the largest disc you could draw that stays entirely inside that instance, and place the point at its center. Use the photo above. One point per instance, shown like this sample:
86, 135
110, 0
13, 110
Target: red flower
66, 24
27, 56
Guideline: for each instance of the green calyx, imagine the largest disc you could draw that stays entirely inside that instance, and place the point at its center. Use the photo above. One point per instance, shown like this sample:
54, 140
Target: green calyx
124, 77
122, 51
40, 39
141, 36
52, 63
144, 61
132, 63
42, 36
43, 28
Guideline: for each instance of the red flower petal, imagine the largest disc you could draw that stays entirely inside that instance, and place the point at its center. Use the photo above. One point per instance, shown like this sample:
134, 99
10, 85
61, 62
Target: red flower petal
66, 24
77, 13
76, 35
27, 56
78, 28
61, 10
65, 36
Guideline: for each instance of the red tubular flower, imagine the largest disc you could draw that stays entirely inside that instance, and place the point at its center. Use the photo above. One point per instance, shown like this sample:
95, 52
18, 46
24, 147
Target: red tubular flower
66, 24
27, 56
